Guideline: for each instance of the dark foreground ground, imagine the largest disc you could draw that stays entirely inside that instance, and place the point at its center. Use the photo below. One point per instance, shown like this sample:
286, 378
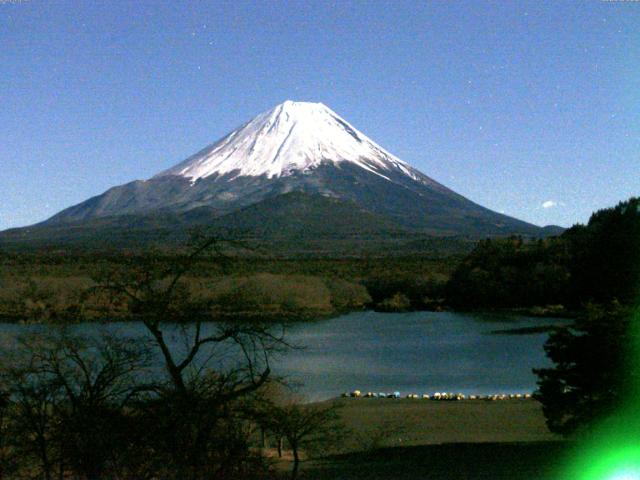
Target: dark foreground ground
538, 460
422, 439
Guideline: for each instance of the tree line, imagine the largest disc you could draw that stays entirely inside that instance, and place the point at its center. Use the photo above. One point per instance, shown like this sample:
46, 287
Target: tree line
594, 263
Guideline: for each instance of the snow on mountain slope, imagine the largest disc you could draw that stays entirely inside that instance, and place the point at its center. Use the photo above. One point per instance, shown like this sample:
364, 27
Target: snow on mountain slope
292, 137
306, 148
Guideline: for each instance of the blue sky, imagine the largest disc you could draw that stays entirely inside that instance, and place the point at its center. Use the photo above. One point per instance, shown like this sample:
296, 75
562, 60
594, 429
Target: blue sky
516, 105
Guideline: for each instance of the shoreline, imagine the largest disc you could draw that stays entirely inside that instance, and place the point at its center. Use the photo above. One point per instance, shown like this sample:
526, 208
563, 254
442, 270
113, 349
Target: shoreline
306, 318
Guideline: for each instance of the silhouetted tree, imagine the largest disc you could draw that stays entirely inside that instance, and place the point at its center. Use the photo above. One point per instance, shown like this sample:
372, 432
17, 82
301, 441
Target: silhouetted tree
598, 262
66, 394
605, 255
595, 369
192, 419
302, 426
33, 400
6, 460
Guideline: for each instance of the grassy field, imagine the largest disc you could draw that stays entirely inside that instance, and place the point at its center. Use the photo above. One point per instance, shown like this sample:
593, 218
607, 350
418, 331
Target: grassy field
416, 439
403, 422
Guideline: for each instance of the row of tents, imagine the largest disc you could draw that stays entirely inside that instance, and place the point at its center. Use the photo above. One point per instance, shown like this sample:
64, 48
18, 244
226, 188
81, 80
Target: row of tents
438, 396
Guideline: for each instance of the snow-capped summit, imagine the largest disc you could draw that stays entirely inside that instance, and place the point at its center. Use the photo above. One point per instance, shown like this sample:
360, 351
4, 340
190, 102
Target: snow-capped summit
297, 165
291, 137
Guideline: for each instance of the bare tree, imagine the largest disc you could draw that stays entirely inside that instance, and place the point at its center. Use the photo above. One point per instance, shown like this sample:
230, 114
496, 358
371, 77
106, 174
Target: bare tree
33, 399
156, 294
67, 394
209, 364
101, 406
303, 426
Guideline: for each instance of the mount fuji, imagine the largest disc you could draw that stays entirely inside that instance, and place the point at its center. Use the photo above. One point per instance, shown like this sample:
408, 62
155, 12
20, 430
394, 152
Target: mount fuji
297, 169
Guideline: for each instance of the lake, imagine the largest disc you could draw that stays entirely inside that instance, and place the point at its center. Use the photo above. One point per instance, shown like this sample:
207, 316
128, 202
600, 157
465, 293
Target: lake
417, 352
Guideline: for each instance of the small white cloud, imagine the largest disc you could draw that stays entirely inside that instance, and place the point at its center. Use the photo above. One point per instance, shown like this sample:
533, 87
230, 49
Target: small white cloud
551, 204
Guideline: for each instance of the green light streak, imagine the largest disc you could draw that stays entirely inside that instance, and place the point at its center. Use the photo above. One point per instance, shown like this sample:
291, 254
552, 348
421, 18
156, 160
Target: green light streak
631, 474
611, 450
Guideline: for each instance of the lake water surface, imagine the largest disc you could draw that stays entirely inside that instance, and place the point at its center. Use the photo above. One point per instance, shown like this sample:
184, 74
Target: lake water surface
418, 352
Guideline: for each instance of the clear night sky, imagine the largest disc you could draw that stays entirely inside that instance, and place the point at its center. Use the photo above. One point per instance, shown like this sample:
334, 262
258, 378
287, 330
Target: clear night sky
516, 105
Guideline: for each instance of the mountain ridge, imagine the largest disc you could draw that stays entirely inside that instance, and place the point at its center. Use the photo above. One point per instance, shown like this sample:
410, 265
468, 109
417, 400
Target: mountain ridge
298, 147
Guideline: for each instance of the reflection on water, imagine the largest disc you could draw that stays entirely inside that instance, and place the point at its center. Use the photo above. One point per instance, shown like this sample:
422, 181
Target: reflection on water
418, 352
